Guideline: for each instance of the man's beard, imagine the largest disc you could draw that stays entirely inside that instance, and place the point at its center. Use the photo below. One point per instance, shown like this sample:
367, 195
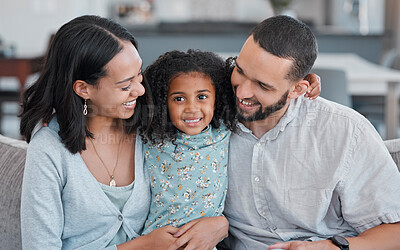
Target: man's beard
262, 114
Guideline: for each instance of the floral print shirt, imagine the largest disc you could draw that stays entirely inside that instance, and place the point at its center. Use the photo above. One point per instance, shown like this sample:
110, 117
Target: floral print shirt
188, 177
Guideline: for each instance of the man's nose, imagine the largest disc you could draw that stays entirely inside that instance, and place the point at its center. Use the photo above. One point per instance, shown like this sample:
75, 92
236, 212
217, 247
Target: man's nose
245, 89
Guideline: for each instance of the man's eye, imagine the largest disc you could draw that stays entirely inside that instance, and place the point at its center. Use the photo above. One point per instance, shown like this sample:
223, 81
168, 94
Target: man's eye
179, 99
239, 70
202, 97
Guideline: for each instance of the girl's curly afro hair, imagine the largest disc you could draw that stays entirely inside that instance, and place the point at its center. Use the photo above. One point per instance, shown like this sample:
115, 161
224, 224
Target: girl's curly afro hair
174, 63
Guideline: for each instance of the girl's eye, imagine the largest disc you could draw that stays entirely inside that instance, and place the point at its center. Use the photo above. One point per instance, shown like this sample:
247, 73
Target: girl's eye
202, 97
179, 99
126, 88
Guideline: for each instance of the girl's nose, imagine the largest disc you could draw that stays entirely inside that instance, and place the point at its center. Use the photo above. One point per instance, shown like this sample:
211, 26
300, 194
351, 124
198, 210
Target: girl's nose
191, 106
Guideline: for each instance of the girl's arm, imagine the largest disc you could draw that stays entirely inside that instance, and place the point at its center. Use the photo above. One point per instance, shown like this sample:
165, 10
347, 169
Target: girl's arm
315, 86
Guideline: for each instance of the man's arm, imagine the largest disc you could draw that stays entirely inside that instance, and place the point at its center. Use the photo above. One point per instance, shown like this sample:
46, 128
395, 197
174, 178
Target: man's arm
383, 237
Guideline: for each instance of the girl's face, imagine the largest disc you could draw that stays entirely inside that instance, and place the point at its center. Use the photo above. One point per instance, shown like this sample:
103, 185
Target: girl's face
116, 93
191, 102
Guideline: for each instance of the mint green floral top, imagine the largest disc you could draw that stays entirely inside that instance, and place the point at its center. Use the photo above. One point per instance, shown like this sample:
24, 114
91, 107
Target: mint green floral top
188, 177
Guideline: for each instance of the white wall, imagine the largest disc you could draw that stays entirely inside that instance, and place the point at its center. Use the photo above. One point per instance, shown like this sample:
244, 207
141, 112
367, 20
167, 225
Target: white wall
28, 24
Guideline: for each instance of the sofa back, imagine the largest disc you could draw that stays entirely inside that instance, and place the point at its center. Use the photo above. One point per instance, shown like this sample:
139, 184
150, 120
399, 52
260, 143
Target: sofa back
12, 161
394, 150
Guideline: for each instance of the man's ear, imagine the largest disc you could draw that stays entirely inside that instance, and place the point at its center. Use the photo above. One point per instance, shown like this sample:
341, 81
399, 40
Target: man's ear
81, 89
299, 89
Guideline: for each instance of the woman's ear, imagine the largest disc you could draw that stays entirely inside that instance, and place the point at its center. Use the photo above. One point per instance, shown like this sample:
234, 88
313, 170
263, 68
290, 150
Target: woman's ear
81, 89
299, 89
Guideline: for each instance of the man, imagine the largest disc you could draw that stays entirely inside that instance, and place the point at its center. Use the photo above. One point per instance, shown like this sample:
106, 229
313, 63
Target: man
302, 171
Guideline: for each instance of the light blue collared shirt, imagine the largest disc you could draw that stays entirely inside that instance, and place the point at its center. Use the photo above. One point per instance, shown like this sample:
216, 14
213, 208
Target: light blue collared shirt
323, 170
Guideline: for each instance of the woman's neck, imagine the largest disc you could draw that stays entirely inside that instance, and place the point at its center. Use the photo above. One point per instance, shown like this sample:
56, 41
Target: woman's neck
104, 126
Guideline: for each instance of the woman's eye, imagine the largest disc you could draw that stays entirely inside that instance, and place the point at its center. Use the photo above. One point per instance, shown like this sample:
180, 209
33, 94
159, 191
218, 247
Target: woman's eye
179, 99
126, 88
202, 97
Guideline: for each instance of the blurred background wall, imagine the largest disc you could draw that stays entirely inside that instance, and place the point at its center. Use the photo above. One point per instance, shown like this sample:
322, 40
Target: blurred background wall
368, 28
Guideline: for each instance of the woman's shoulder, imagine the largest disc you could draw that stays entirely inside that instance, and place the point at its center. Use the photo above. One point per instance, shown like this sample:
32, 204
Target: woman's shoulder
46, 137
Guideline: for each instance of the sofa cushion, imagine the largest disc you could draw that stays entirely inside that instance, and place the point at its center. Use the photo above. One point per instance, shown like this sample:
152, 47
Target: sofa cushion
394, 150
12, 160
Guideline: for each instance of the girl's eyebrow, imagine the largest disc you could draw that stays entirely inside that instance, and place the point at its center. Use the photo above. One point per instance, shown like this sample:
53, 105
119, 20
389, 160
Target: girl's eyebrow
199, 91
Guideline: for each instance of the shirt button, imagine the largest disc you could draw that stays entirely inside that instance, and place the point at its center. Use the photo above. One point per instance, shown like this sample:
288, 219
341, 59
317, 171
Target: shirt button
257, 179
120, 217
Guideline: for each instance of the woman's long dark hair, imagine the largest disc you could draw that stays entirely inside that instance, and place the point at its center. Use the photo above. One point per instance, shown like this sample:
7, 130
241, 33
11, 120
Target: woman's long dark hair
80, 50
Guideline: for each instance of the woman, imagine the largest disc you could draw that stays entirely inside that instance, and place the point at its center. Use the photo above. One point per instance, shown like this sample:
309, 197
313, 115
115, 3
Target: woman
84, 186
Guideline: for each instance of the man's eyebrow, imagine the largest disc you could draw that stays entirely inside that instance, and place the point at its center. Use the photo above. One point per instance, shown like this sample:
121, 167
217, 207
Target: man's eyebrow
266, 85
263, 84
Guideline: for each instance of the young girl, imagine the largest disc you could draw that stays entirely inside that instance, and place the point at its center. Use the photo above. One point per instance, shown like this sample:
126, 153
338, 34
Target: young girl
186, 154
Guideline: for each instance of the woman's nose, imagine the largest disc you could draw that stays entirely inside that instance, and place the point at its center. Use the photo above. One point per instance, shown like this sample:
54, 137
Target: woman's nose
138, 89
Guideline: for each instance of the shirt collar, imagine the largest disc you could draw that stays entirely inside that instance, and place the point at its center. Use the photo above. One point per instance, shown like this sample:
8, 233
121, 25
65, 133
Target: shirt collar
290, 114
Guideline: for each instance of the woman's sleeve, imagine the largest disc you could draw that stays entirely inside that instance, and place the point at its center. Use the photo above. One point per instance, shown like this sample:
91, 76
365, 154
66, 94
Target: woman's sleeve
42, 218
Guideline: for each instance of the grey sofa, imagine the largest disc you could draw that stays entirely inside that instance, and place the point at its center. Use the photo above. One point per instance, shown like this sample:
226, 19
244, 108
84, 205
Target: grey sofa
12, 159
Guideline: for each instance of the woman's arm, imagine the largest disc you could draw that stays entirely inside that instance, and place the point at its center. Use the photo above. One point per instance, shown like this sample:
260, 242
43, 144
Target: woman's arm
161, 238
203, 233
42, 218
315, 86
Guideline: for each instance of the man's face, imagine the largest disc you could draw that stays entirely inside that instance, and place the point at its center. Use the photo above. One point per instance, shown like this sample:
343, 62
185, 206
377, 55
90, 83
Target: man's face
260, 84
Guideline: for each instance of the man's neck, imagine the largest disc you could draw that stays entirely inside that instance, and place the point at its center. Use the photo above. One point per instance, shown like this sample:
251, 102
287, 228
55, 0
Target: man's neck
259, 128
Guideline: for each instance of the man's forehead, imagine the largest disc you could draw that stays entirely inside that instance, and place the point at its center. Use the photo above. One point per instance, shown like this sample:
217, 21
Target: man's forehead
260, 65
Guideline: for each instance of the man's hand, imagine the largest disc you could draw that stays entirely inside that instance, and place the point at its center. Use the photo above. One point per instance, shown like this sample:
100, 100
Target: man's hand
203, 233
305, 245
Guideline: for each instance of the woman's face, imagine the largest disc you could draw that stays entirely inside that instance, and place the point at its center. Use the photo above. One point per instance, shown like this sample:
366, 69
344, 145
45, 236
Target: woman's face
115, 94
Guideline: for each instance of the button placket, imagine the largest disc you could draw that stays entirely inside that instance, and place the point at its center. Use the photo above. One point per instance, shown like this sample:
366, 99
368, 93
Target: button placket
259, 192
